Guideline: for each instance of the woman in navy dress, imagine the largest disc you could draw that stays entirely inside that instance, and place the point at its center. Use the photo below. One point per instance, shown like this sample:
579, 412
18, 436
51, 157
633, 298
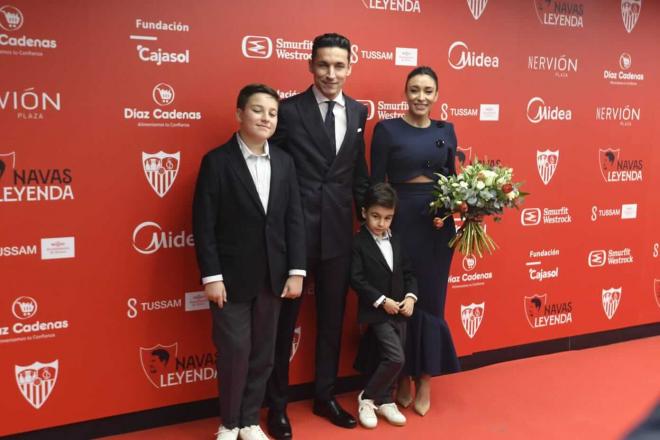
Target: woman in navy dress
407, 152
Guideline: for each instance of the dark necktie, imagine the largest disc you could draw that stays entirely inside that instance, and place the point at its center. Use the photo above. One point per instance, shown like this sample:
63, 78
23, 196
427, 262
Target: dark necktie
330, 126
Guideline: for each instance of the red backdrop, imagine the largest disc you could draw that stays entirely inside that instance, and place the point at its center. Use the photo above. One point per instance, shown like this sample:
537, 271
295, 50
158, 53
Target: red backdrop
99, 313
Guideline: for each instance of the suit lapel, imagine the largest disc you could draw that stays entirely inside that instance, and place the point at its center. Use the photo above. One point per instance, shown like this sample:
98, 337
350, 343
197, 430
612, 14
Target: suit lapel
373, 248
313, 122
241, 170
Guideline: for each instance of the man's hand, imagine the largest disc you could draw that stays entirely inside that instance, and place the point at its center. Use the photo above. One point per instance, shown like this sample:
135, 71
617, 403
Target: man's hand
216, 292
407, 306
391, 307
292, 287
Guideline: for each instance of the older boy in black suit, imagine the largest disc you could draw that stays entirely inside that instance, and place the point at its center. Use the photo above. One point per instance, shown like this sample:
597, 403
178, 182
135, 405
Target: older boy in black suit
383, 279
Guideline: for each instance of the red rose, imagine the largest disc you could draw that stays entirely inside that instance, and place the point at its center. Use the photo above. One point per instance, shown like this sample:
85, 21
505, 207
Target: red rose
507, 188
438, 223
463, 208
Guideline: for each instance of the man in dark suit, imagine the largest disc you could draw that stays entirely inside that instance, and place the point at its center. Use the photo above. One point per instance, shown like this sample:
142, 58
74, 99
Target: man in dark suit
323, 130
249, 238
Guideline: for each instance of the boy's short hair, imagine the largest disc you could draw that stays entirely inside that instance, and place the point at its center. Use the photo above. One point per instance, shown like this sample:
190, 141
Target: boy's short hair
253, 89
331, 40
381, 194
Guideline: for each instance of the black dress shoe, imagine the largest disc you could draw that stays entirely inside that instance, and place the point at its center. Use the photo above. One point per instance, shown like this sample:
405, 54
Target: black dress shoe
331, 410
279, 426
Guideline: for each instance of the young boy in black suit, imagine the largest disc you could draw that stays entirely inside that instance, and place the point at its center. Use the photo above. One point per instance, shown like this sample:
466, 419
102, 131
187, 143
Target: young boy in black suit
383, 279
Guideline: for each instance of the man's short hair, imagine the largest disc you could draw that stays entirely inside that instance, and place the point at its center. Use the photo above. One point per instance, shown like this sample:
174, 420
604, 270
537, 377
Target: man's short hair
381, 194
331, 40
253, 89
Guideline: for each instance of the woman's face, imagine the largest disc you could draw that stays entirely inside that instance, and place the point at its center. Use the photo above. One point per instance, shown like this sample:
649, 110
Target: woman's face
421, 94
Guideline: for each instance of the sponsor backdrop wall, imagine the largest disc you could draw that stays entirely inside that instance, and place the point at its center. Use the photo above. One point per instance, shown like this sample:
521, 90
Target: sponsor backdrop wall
106, 109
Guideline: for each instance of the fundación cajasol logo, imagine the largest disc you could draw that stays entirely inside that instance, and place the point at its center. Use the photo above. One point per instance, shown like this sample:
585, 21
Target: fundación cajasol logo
36, 381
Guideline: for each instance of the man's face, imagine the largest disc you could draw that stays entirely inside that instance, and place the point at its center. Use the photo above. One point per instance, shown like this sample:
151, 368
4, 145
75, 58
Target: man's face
330, 67
379, 219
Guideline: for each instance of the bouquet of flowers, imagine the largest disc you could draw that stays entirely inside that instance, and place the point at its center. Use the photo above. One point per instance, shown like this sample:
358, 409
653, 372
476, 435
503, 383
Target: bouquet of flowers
479, 190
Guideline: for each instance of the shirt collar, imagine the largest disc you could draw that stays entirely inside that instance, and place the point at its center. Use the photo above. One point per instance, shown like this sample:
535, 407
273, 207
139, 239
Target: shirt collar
321, 98
246, 152
386, 237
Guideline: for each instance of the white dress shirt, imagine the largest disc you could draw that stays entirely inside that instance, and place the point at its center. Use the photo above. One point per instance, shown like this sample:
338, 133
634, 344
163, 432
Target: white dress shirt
385, 245
259, 167
339, 111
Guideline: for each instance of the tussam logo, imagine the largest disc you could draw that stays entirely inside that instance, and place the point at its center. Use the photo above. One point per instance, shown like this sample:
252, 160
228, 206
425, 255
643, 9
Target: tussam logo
630, 10
626, 212
135, 306
460, 56
394, 5
149, 238
546, 163
538, 111
254, 46
477, 7
471, 317
485, 112
11, 18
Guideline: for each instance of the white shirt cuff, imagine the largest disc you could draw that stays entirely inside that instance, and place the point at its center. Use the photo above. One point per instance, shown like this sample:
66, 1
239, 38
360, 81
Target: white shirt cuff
411, 295
302, 273
212, 279
380, 301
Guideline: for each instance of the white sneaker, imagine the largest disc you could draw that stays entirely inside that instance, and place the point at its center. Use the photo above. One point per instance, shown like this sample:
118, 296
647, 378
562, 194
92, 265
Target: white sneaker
391, 413
366, 412
253, 432
226, 434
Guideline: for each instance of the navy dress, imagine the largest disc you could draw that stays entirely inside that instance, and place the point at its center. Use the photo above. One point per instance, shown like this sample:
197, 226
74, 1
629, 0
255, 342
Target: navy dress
401, 152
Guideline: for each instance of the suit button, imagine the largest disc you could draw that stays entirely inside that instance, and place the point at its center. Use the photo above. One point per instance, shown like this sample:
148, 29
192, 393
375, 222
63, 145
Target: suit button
428, 164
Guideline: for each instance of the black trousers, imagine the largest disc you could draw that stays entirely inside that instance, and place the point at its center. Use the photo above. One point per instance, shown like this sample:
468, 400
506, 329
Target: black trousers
391, 337
331, 279
244, 335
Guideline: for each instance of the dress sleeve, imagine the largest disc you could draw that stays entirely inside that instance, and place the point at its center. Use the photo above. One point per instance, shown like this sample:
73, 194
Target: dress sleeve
380, 153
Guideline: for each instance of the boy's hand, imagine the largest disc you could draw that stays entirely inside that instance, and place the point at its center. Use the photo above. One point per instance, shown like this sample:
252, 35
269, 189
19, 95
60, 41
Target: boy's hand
407, 306
292, 287
391, 307
216, 292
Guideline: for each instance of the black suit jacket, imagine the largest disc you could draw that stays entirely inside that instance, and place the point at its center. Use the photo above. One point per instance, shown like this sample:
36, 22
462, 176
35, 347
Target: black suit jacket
371, 277
234, 236
327, 186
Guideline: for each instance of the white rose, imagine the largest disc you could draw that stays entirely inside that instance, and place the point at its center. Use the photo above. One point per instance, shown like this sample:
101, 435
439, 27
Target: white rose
512, 195
489, 177
480, 185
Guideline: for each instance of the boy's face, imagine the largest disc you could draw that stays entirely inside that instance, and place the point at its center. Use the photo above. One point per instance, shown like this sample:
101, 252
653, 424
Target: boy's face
378, 219
258, 119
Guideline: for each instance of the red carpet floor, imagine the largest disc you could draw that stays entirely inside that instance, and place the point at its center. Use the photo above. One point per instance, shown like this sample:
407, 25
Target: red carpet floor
597, 393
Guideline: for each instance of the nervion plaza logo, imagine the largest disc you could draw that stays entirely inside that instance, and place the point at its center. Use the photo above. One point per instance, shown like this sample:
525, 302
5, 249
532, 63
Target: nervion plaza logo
33, 184
542, 313
149, 238
560, 13
15, 44
164, 367
536, 260
546, 163
161, 170
624, 115
549, 216
31, 103
613, 257
37, 381
484, 112
538, 111
623, 76
615, 169
627, 211
630, 10
459, 57
477, 7
471, 317
406, 6
611, 298
162, 116
560, 66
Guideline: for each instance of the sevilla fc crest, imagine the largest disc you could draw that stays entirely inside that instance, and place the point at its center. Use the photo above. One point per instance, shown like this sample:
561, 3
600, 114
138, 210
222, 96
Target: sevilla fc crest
546, 163
630, 10
157, 361
295, 343
656, 291
463, 157
611, 299
534, 306
477, 7
7, 164
608, 160
160, 170
471, 317
37, 381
